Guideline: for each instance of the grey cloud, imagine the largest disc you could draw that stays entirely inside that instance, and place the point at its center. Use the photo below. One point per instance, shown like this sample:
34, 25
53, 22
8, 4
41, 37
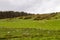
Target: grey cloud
33, 6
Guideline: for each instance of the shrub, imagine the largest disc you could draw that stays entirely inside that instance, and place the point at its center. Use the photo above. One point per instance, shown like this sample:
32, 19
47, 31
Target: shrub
48, 18
27, 17
38, 18
21, 17
53, 14
56, 17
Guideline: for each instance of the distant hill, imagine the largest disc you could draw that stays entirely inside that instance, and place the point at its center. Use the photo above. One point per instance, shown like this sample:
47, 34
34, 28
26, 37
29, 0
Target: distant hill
25, 15
11, 14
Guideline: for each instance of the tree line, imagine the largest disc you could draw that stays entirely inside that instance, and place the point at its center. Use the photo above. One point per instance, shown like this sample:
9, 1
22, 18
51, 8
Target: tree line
25, 15
11, 14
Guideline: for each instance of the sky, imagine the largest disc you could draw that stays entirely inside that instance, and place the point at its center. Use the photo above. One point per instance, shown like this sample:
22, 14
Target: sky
30, 6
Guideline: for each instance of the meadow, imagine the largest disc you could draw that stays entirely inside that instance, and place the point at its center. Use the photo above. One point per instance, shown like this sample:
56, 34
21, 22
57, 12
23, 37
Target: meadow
29, 23
24, 26
28, 29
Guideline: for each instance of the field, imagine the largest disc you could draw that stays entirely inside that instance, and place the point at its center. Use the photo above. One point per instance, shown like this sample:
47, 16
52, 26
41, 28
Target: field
28, 29
29, 23
26, 26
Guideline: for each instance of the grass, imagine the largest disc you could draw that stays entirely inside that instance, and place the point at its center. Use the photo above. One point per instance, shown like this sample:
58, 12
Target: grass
21, 23
17, 29
30, 27
29, 34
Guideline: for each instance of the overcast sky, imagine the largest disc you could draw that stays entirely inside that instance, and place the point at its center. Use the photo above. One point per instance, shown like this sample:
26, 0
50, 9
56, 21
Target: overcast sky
32, 6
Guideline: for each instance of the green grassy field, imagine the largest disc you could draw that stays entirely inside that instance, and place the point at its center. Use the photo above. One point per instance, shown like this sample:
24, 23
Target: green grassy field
22, 23
28, 34
11, 29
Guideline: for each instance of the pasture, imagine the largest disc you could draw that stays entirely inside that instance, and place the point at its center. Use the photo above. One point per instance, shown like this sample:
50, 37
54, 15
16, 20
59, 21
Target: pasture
28, 29
29, 23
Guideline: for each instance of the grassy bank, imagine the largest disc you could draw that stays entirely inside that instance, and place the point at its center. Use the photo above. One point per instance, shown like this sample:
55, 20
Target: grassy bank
29, 23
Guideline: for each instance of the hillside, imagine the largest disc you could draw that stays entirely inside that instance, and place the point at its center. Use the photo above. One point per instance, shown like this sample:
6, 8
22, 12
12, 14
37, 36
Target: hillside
25, 15
26, 26
23, 20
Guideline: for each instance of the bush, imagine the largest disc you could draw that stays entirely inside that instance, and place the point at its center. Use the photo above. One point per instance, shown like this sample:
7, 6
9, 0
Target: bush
48, 18
53, 14
56, 17
27, 17
38, 18
21, 17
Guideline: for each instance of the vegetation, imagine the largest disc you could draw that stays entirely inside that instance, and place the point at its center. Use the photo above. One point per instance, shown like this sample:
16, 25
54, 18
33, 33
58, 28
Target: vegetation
11, 14
24, 15
26, 26
28, 34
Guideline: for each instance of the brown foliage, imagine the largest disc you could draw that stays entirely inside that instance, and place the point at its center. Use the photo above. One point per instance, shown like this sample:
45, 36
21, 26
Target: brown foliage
27, 17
